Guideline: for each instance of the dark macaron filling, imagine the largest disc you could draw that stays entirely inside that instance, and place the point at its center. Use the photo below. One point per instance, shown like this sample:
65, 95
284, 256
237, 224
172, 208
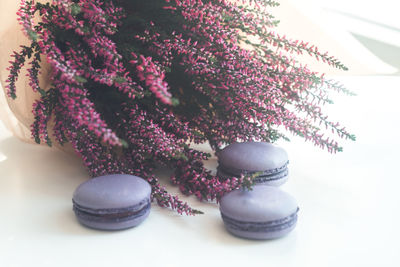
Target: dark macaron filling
112, 215
264, 227
263, 176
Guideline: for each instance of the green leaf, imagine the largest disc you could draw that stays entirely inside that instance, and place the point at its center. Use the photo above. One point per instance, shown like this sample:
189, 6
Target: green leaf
32, 35
86, 29
119, 79
213, 59
80, 79
179, 155
197, 211
174, 101
49, 143
197, 133
123, 143
37, 139
75, 9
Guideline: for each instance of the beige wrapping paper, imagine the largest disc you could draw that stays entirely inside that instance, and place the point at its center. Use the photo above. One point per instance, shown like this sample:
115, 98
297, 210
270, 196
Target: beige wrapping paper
17, 114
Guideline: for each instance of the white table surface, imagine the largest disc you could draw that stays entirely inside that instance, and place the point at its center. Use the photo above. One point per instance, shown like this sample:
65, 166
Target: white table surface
349, 204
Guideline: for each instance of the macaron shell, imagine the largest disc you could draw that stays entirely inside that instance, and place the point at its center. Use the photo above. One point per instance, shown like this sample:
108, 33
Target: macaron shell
261, 204
252, 156
265, 212
112, 192
112, 202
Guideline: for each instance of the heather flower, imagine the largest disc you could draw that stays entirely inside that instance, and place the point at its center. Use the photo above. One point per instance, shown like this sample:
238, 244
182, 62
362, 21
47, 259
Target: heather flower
150, 72
135, 82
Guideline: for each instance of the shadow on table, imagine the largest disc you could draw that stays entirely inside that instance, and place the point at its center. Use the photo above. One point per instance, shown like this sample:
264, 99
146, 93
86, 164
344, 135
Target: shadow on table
209, 227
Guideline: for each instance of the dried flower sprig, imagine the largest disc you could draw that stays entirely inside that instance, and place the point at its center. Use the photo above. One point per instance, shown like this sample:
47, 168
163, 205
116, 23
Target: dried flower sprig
134, 82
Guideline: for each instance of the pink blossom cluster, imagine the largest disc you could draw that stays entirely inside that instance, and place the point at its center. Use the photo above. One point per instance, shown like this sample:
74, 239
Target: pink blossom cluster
150, 72
33, 73
164, 199
25, 17
15, 68
41, 111
135, 82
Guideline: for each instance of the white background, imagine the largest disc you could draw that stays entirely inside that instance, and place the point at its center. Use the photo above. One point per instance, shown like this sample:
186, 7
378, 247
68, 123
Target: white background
349, 202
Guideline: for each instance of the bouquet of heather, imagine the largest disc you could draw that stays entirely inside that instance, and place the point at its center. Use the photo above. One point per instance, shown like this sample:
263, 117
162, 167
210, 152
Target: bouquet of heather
135, 82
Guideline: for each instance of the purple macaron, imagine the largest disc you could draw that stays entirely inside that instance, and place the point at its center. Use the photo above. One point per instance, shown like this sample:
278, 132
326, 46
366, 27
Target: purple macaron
112, 202
266, 212
267, 160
